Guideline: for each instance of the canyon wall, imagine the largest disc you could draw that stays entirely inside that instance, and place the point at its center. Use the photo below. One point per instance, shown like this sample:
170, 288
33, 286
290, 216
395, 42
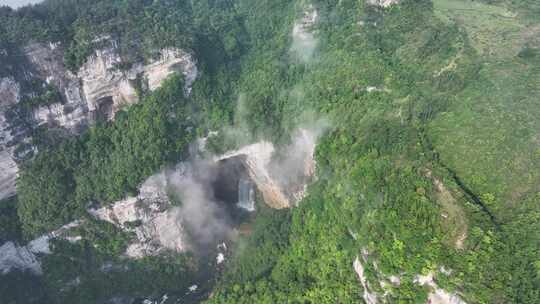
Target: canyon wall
100, 88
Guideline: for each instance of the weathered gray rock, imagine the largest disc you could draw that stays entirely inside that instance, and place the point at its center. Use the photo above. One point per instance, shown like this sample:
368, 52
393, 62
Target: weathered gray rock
436, 295
369, 296
105, 87
170, 61
13, 256
150, 216
99, 89
383, 3
17, 257
8, 174
100, 86
282, 182
9, 91
9, 95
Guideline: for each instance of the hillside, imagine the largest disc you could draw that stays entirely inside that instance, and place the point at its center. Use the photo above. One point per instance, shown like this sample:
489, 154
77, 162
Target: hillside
270, 151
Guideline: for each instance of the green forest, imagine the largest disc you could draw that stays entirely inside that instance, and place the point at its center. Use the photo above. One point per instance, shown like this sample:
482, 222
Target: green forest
431, 160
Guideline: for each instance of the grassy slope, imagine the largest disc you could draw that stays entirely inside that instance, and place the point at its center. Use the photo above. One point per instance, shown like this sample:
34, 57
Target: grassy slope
491, 135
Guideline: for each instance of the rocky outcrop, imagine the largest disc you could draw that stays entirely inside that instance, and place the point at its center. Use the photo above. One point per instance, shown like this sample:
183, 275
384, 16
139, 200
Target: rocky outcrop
170, 61
105, 87
100, 88
281, 181
155, 223
47, 65
383, 3
436, 295
8, 173
9, 91
257, 160
151, 217
9, 95
368, 296
13, 256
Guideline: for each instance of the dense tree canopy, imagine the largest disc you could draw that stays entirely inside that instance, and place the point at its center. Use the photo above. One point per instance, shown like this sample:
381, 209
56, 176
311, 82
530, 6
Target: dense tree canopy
107, 162
429, 161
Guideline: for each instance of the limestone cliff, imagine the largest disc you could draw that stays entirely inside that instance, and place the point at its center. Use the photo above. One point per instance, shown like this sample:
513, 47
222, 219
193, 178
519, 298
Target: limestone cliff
383, 3
151, 217
100, 88
9, 95
257, 160
154, 223
14, 256
281, 181
436, 295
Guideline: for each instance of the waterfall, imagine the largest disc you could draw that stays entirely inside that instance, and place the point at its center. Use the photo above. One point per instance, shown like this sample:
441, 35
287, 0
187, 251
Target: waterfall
246, 195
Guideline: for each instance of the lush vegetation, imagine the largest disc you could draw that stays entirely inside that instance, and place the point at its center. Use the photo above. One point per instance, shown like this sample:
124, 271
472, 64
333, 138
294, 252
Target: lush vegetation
102, 275
10, 227
430, 161
44, 96
395, 178
106, 163
141, 27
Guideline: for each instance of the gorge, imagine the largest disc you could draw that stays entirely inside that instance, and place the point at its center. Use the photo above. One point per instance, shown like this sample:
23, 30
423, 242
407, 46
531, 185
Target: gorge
270, 151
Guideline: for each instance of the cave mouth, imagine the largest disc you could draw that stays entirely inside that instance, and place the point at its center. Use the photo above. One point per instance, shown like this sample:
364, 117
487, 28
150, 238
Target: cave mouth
105, 108
234, 188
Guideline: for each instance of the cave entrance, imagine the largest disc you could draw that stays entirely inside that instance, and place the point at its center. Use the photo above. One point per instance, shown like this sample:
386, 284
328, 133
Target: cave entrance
234, 187
105, 108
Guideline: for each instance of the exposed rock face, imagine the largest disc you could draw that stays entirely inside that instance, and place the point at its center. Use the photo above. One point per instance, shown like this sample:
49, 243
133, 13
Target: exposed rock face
99, 89
9, 91
383, 3
368, 296
47, 63
13, 256
436, 295
9, 95
170, 61
105, 87
8, 174
17, 257
150, 215
257, 161
282, 182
